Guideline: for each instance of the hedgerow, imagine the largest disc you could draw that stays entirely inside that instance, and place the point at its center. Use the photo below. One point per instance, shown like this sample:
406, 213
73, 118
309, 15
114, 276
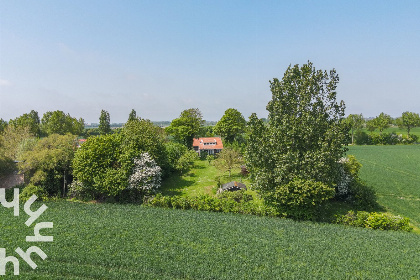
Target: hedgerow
224, 204
374, 220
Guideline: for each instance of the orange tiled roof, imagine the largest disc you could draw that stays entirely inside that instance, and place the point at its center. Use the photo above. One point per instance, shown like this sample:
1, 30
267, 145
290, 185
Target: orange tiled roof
208, 143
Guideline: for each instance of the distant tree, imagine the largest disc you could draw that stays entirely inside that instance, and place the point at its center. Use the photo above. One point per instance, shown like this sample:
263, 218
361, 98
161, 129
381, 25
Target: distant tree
30, 120
371, 125
355, 123
206, 131
132, 116
104, 123
383, 121
408, 120
58, 122
3, 125
228, 159
186, 127
230, 125
305, 135
47, 164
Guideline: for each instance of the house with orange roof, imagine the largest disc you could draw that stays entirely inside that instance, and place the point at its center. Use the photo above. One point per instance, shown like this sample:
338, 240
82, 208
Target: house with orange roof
210, 145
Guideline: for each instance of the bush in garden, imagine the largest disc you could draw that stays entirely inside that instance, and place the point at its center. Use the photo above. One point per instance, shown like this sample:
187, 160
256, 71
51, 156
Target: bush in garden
374, 220
209, 203
351, 188
237, 196
299, 198
146, 176
30, 190
105, 163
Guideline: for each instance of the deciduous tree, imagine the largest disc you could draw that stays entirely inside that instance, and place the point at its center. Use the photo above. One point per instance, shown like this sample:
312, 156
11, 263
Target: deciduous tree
132, 116
383, 121
58, 122
30, 120
230, 125
228, 159
304, 137
104, 123
355, 123
408, 120
47, 164
186, 127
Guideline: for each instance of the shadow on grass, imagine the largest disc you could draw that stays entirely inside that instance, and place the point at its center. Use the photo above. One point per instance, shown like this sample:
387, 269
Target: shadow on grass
175, 184
328, 212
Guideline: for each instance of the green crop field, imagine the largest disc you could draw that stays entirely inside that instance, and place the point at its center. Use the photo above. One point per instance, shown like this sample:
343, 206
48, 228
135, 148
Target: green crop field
394, 171
110, 241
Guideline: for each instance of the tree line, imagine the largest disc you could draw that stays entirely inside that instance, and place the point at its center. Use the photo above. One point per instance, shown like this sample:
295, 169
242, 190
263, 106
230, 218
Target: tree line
294, 157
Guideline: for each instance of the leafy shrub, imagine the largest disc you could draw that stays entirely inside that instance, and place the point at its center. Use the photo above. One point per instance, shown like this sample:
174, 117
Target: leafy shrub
213, 204
237, 196
374, 220
351, 188
362, 138
299, 198
30, 190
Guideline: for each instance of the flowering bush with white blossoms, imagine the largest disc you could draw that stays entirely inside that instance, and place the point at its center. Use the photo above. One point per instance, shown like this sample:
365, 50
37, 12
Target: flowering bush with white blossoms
147, 175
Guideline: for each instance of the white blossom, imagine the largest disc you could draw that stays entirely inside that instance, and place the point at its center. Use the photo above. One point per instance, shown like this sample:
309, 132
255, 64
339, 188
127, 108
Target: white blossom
146, 174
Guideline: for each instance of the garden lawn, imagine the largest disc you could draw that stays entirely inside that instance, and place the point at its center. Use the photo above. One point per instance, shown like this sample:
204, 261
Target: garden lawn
110, 241
394, 171
201, 179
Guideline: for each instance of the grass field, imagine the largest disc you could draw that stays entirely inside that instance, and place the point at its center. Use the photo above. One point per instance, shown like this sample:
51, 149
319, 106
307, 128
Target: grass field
110, 241
394, 171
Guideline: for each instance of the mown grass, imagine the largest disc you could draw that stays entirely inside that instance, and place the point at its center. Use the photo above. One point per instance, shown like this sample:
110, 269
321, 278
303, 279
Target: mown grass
394, 171
110, 241
201, 179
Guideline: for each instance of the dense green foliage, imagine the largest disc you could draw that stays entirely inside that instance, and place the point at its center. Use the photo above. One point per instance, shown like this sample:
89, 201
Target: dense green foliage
382, 221
231, 125
58, 122
132, 116
408, 121
48, 162
237, 202
351, 188
3, 125
384, 138
393, 171
299, 198
104, 164
305, 134
12, 142
186, 127
104, 123
30, 120
110, 241
228, 159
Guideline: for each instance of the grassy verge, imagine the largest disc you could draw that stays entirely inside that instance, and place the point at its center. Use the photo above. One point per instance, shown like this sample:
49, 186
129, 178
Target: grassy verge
110, 241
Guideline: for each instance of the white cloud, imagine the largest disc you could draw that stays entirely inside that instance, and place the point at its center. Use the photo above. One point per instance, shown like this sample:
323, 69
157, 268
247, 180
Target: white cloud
5, 83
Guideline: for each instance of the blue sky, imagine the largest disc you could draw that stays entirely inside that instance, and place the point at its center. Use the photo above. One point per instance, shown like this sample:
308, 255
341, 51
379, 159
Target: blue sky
161, 57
